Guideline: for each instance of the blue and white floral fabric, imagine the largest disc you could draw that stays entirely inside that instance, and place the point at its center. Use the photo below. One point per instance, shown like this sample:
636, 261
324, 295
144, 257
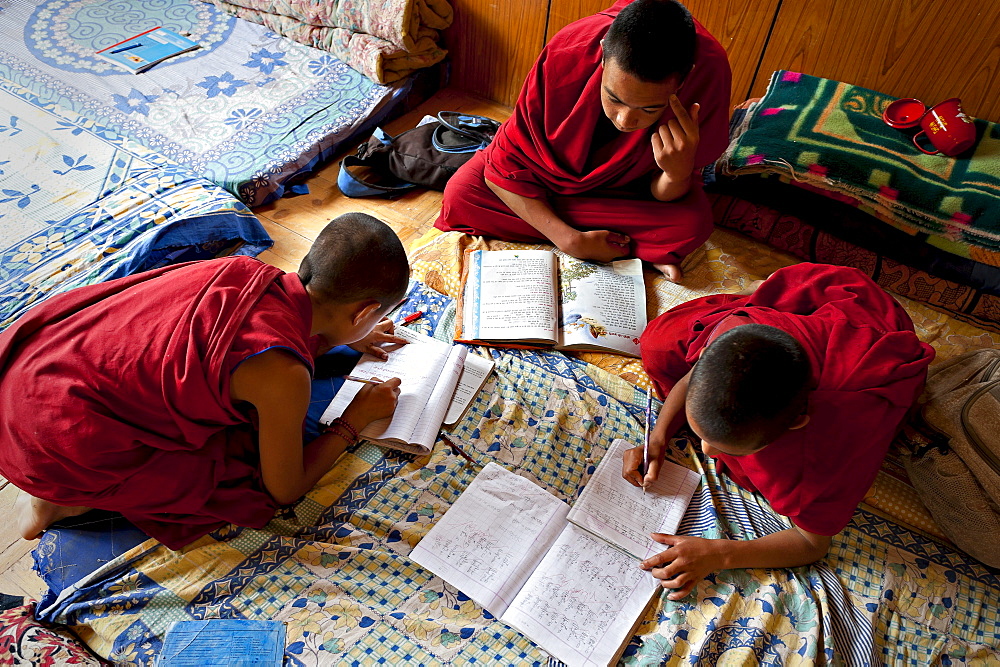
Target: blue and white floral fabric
81, 204
249, 110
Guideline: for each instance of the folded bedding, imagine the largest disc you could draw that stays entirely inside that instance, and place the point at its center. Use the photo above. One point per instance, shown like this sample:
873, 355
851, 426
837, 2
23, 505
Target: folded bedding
385, 40
829, 136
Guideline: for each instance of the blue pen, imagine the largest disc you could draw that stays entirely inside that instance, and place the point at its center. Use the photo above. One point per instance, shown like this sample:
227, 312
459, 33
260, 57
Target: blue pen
126, 48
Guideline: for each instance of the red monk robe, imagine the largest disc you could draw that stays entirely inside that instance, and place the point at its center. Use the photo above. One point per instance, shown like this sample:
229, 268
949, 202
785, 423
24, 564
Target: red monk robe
116, 396
546, 148
868, 369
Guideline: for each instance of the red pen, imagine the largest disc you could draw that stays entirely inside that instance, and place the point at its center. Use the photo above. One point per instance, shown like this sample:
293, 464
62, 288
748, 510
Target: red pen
413, 317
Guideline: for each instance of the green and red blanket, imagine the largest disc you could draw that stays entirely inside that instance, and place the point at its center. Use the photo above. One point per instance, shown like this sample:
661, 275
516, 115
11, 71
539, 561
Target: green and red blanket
829, 136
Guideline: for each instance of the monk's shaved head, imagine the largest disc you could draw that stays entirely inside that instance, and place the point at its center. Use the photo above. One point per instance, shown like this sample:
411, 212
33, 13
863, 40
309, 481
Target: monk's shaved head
652, 40
356, 257
749, 386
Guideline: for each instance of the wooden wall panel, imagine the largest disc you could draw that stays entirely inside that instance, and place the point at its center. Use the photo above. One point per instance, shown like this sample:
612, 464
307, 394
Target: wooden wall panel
493, 44
741, 26
928, 49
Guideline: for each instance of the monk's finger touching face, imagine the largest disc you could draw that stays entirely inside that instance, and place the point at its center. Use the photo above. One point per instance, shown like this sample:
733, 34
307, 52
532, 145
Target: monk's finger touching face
687, 119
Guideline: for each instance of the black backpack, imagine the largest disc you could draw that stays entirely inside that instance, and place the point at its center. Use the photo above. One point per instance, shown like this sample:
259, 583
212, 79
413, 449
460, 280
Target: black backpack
425, 156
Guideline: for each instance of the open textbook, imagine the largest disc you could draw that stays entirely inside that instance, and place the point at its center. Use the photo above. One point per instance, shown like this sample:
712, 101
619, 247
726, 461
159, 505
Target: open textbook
569, 579
437, 383
540, 298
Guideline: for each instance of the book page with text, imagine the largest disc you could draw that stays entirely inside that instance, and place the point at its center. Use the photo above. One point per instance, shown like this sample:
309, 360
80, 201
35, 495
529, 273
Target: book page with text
418, 365
514, 297
622, 514
492, 537
581, 602
603, 305
472, 379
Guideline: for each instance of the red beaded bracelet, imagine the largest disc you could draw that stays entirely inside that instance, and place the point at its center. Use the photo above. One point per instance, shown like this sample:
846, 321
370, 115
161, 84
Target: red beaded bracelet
349, 433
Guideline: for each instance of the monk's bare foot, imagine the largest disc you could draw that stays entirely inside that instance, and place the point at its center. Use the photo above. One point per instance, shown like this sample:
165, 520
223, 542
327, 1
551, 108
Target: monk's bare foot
671, 272
750, 289
35, 514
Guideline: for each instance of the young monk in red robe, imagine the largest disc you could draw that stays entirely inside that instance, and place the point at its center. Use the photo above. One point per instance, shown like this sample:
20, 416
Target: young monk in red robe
796, 391
177, 397
602, 153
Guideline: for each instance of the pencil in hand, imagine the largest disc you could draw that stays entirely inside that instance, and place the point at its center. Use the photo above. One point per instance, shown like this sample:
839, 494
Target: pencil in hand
355, 378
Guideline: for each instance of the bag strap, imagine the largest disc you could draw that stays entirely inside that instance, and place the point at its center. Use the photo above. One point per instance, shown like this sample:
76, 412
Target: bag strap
354, 186
477, 128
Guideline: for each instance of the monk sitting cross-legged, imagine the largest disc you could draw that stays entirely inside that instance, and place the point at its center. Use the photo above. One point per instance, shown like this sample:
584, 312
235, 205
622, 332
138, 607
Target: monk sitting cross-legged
177, 397
602, 152
796, 391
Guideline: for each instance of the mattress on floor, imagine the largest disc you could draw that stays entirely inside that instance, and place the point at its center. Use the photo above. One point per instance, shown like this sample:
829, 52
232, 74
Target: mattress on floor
81, 204
335, 566
249, 110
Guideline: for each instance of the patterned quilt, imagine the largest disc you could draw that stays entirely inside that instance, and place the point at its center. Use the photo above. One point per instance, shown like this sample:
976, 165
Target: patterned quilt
249, 110
829, 136
335, 566
80, 204
385, 40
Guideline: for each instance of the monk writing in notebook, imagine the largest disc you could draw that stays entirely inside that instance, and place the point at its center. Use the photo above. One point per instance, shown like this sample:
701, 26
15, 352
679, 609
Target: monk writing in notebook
602, 153
796, 390
177, 397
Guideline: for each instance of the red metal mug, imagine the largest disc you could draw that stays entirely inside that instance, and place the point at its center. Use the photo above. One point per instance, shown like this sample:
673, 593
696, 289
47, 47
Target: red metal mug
947, 127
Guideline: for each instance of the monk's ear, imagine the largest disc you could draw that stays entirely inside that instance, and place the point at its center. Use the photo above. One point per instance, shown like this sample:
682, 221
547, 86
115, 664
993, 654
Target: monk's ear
799, 422
363, 310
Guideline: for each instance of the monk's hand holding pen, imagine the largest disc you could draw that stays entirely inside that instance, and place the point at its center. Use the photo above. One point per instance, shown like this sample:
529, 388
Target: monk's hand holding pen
380, 336
632, 465
375, 400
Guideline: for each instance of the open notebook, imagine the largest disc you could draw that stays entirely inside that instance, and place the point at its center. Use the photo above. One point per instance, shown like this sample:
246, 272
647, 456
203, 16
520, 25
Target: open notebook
569, 579
438, 381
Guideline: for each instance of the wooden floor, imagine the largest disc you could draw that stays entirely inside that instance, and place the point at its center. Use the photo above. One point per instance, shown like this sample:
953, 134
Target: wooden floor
293, 223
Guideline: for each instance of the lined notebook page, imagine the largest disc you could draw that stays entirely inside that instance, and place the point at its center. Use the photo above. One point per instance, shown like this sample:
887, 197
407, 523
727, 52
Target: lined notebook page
583, 599
418, 365
426, 430
469, 383
487, 544
620, 513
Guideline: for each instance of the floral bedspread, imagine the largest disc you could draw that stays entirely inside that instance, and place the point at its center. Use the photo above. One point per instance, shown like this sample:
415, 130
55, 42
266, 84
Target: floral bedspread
385, 40
249, 110
80, 204
335, 566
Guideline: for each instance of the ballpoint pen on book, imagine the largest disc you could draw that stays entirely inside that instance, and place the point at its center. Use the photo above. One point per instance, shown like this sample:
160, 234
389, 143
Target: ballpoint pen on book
126, 48
645, 438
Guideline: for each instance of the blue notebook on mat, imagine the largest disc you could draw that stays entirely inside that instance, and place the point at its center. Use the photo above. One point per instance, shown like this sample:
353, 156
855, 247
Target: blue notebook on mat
222, 642
140, 52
